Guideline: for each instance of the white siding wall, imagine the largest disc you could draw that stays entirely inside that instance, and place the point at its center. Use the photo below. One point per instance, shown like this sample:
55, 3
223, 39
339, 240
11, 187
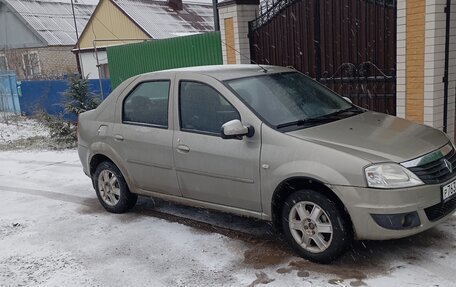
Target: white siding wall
89, 63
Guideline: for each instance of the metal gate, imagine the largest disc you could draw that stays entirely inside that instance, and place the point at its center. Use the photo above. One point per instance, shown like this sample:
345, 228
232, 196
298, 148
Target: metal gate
9, 100
348, 45
128, 60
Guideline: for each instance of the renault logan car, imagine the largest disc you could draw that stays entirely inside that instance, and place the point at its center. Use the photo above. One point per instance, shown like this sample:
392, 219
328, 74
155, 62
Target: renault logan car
270, 143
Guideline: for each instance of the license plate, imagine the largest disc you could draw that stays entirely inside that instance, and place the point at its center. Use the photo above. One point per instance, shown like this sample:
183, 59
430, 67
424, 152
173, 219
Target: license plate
448, 190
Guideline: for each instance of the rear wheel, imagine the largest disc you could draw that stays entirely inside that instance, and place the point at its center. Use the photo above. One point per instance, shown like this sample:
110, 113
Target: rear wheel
111, 188
315, 226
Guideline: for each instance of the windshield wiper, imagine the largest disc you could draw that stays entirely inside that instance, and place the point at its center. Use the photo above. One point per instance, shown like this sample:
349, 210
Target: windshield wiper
349, 110
305, 122
321, 119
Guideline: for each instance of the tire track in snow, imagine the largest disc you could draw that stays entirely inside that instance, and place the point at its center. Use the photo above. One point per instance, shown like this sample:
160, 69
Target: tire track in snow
43, 162
140, 210
41, 165
87, 201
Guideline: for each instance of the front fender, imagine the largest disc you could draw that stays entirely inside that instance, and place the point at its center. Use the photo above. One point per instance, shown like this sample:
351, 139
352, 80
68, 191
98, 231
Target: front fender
284, 157
310, 170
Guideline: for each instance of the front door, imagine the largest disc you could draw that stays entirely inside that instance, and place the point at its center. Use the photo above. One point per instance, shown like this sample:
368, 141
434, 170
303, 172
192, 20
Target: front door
208, 167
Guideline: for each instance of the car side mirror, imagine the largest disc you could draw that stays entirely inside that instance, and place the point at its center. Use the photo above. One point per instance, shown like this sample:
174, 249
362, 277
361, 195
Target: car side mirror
234, 129
348, 99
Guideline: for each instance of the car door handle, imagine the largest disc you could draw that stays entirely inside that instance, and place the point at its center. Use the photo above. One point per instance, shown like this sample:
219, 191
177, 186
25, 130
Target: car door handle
118, 138
183, 148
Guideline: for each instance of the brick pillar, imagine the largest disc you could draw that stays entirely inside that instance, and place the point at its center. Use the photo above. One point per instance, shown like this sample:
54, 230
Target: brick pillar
421, 30
401, 63
234, 16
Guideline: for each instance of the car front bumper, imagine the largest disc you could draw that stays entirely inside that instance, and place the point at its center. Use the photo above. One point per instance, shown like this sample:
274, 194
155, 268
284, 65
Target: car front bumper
379, 214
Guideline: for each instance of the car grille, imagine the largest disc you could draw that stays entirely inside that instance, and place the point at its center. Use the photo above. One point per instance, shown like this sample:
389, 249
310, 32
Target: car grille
440, 210
436, 172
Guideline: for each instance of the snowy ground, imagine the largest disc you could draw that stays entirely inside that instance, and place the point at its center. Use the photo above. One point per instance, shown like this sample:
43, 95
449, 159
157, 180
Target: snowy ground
17, 132
53, 232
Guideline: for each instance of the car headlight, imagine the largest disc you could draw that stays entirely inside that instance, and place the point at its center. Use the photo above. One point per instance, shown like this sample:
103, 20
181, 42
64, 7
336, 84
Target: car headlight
390, 175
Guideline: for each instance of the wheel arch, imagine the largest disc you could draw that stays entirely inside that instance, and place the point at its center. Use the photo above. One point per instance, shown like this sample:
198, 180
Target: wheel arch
99, 157
292, 184
96, 159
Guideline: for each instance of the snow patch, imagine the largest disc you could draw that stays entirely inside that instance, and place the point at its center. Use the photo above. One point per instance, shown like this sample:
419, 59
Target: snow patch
17, 132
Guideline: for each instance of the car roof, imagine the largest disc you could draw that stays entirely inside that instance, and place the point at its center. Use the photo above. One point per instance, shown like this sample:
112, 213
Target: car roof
227, 72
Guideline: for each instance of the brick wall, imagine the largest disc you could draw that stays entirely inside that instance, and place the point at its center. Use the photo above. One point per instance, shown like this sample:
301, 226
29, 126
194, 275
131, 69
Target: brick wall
421, 30
57, 61
53, 62
415, 29
435, 63
229, 41
401, 58
235, 30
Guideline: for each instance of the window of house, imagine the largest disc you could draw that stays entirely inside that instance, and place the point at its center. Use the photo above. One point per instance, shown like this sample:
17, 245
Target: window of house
31, 63
104, 71
3, 63
147, 104
203, 109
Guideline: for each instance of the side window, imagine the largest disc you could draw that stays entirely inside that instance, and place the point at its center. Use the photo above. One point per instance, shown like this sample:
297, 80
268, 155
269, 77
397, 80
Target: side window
203, 109
3, 63
147, 104
31, 62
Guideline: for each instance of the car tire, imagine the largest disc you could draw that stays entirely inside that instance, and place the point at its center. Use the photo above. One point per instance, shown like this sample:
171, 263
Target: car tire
316, 226
112, 189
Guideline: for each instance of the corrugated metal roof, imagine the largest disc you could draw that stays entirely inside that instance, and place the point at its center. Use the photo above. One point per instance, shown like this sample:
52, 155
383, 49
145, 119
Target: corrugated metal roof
53, 19
160, 21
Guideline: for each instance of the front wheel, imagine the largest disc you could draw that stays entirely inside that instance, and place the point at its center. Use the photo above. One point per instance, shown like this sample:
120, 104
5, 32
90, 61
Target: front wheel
111, 188
315, 226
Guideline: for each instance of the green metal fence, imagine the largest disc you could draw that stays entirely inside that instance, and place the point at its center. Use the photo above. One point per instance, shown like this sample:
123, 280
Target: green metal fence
129, 60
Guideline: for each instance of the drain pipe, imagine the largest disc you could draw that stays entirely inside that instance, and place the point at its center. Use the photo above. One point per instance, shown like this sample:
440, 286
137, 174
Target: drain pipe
447, 60
216, 16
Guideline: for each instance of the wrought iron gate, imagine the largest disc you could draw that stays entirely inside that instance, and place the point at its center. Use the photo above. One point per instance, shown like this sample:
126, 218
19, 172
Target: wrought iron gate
348, 45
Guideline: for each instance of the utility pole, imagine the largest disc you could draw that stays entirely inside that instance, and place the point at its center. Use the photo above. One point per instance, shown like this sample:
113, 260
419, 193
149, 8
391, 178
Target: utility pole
78, 63
216, 16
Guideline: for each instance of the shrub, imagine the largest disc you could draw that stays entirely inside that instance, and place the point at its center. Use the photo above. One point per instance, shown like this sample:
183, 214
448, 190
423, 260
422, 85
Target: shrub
78, 99
61, 131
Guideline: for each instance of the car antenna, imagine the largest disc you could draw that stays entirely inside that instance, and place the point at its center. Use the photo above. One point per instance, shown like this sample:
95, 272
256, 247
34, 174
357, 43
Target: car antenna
242, 55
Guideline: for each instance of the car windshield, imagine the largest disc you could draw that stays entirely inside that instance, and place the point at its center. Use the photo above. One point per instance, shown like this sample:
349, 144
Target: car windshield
291, 99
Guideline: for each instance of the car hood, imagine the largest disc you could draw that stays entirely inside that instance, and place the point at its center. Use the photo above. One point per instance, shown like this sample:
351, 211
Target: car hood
376, 137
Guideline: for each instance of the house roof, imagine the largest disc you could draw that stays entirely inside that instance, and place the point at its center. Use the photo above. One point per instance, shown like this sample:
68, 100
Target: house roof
53, 20
157, 19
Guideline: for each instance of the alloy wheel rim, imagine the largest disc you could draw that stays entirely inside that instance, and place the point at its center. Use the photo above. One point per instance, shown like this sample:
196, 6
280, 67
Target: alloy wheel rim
310, 226
109, 187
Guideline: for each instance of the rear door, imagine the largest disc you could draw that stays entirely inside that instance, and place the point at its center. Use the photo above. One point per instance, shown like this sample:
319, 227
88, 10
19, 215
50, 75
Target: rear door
209, 168
144, 135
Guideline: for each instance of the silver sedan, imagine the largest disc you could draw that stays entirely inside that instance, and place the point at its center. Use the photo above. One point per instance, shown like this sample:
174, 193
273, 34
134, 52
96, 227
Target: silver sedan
270, 143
